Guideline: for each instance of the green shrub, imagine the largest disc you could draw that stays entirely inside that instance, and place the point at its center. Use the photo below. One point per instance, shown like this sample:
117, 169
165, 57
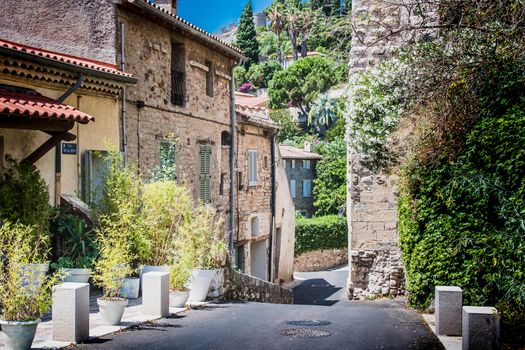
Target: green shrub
462, 222
323, 232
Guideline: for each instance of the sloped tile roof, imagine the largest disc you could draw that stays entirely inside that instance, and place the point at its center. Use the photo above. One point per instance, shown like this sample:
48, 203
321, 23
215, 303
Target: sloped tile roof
255, 115
32, 104
76, 61
289, 152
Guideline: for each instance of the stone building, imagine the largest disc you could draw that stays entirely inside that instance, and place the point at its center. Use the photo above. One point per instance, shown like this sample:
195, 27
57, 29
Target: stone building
300, 169
375, 258
180, 117
256, 214
56, 110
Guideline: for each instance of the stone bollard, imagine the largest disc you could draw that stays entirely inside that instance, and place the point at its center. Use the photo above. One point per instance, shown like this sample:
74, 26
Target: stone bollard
449, 301
70, 312
155, 293
480, 328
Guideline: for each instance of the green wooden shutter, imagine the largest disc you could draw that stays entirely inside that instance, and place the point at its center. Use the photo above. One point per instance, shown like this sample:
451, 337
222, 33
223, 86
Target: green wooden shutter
205, 173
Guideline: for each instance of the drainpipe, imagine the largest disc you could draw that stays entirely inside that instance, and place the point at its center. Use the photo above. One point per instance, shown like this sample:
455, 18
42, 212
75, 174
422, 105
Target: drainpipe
272, 204
58, 150
123, 126
231, 227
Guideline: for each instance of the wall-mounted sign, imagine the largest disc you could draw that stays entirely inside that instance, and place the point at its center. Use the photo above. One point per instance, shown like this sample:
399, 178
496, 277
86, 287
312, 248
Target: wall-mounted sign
69, 148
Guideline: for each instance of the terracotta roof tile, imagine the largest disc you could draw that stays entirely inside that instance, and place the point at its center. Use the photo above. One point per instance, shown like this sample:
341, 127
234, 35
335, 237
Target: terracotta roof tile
289, 152
32, 104
77, 61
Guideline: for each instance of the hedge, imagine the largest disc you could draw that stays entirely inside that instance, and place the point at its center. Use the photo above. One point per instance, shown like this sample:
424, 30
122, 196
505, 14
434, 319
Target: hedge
323, 232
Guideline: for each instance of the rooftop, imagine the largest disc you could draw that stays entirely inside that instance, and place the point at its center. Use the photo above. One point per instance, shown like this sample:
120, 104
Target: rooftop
290, 152
251, 100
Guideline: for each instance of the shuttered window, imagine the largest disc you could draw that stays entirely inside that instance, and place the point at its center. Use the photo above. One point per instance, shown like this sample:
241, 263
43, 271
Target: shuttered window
307, 188
306, 164
292, 188
205, 173
293, 163
167, 156
252, 168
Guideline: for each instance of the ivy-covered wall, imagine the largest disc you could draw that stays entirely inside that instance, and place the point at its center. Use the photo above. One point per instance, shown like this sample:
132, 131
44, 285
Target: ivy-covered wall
462, 221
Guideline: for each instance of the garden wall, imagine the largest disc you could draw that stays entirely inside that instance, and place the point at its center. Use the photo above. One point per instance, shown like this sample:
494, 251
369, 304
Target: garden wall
319, 260
228, 285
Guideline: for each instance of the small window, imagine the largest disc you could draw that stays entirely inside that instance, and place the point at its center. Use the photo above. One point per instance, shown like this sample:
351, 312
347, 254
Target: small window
292, 188
209, 78
265, 162
252, 168
307, 188
240, 185
293, 163
168, 156
307, 164
221, 187
226, 138
284, 163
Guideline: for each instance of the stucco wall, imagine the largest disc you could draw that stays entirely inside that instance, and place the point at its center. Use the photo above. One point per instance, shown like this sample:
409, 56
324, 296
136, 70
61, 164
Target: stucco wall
80, 28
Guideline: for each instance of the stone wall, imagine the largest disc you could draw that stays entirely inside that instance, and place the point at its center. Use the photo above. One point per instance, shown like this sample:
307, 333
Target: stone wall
320, 260
299, 173
231, 285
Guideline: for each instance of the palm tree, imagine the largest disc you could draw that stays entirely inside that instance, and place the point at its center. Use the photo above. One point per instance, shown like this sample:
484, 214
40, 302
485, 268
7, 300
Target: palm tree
275, 14
292, 16
324, 111
307, 17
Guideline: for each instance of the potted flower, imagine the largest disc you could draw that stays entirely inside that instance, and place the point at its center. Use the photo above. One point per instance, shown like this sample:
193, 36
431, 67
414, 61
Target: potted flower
179, 293
110, 270
209, 250
22, 307
80, 248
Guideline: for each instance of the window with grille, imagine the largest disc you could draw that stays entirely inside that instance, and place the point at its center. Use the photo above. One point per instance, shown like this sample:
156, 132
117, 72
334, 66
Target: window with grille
167, 160
307, 188
252, 168
205, 173
178, 78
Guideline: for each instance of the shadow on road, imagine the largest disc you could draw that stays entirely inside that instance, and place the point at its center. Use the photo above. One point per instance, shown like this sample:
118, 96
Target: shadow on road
315, 292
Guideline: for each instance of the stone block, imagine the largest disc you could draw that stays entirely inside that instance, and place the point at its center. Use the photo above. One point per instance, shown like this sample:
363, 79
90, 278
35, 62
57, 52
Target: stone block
70, 312
155, 293
449, 301
481, 328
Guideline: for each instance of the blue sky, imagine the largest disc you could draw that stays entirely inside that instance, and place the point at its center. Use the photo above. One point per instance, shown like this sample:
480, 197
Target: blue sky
211, 15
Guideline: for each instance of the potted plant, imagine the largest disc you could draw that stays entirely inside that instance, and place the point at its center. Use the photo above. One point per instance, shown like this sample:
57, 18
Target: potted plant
110, 270
80, 248
209, 250
21, 307
179, 293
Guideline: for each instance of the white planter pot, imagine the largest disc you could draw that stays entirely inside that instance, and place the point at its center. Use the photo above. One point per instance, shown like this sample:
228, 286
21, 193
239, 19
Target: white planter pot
179, 298
150, 268
19, 335
199, 284
33, 275
111, 311
77, 275
130, 288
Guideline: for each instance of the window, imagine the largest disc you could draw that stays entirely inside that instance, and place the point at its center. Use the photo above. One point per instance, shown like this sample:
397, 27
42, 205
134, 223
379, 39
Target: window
284, 163
178, 78
205, 171
307, 188
209, 78
254, 226
221, 187
292, 188
239, 257
265, 162
293, 163
240, 185
167, 154
252, 168
226, 138
307, 164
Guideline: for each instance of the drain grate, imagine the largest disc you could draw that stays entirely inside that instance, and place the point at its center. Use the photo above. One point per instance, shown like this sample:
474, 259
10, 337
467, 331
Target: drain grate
308, 323
304, 333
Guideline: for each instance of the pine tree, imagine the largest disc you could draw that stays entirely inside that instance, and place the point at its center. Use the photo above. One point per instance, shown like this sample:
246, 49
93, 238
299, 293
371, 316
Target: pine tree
336, 8
247, 36
316, 4
347, 7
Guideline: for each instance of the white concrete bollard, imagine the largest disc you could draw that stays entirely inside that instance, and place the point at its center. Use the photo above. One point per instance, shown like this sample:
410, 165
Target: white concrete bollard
449, 301
480, 328
155, 294
70, 312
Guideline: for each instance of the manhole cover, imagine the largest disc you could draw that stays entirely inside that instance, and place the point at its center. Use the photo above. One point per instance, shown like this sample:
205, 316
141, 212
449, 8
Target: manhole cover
308, 323
304, 333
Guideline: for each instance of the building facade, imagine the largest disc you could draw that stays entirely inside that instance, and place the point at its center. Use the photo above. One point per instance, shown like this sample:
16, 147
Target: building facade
300, 169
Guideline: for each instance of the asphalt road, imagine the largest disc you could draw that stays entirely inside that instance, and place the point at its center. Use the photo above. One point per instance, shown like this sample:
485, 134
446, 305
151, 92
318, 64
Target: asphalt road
342, 324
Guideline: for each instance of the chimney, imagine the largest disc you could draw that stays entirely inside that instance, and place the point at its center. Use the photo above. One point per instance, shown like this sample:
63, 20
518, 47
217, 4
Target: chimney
307, 146
168, 5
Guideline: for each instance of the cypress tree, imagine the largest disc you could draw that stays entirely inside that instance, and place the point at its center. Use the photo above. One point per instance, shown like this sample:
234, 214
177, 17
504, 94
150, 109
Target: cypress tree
336, 8
247, 36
